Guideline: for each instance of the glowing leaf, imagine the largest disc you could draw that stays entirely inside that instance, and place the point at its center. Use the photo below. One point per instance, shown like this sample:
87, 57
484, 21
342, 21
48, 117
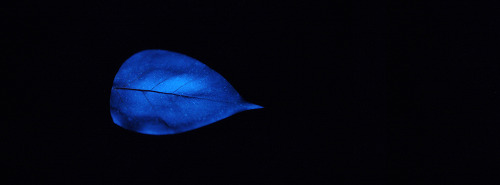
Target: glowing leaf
161, 92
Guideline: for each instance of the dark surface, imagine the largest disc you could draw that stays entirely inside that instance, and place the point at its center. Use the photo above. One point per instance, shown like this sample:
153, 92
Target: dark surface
444, 84
306, 63
354, 93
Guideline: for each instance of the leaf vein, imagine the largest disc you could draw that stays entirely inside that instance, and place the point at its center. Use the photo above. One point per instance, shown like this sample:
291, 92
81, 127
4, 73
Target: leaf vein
185, 96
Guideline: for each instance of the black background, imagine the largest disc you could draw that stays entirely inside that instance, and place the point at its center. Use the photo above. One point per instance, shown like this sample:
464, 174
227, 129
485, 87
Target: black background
354, 92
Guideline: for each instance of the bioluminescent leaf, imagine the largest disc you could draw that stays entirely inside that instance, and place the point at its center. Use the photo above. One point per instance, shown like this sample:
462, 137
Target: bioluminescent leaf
161, 92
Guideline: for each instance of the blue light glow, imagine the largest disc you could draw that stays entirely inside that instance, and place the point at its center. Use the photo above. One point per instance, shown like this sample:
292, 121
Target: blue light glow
161, 92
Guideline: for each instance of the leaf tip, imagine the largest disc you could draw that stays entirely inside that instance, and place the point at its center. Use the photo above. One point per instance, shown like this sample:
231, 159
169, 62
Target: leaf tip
251, 106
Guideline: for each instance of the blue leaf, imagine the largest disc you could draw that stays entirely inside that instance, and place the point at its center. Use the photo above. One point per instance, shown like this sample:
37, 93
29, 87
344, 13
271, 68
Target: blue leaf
161, 92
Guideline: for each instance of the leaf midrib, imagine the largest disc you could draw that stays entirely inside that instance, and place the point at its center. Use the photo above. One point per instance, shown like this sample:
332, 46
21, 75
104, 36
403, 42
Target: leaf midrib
153, 91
